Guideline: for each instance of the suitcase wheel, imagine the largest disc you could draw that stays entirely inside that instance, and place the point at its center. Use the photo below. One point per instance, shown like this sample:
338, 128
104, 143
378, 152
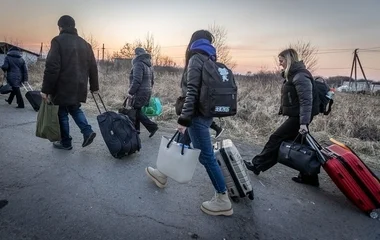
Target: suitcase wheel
374, 215
235, 199
251, 195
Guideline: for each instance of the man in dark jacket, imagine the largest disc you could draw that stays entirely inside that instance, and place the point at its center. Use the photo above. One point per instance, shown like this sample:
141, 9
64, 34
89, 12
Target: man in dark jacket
141, 81
70, 65
17, 73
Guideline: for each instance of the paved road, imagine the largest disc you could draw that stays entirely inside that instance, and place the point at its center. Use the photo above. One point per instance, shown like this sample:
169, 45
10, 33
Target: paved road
87, 194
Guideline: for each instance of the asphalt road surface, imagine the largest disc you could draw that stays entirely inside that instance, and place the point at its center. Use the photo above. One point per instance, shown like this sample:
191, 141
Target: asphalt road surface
87, 194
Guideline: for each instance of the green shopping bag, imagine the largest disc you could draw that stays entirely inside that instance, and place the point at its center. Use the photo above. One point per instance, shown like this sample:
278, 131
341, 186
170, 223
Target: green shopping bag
48, 122
154, 108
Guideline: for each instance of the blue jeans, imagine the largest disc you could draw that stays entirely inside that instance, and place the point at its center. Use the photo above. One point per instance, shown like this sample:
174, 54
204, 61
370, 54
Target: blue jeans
79, 118
201, 139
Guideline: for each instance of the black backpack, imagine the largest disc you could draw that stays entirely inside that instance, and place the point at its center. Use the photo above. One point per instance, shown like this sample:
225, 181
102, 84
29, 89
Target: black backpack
323, 89
218, 94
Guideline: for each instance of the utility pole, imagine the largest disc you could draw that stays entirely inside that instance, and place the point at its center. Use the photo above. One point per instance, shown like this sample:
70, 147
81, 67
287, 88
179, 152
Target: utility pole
98, 54
41, 50
355, 62
103, 52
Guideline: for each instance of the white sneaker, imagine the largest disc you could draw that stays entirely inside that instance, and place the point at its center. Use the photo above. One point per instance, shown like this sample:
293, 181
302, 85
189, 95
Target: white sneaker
220, 204
159, 178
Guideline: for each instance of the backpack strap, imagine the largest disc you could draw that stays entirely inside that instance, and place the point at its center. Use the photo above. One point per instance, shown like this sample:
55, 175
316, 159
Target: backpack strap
331, 102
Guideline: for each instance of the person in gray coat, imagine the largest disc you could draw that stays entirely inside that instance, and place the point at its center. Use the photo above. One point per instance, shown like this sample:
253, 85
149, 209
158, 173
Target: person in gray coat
141, 80
17, 73
299, 101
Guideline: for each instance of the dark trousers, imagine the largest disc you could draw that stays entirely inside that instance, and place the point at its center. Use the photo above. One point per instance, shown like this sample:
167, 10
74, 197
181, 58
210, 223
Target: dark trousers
142, 118
268, 157
79, 118
16, 92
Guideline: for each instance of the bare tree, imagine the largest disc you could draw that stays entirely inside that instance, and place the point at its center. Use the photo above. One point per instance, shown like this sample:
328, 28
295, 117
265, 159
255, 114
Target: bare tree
223, 51
166, 61
91, 40
307, 53
16, 42
127, 51
149, 44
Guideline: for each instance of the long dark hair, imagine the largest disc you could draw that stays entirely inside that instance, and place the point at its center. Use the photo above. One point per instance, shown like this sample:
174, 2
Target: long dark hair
200, 34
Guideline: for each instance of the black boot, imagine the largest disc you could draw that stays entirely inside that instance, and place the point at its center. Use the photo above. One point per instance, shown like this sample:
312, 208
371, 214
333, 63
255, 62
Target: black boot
153, 132
252, 167
307, 179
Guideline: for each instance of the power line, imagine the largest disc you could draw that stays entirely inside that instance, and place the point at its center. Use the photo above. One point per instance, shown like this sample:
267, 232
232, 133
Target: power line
370, 51
377, 69
266, 56
372, 48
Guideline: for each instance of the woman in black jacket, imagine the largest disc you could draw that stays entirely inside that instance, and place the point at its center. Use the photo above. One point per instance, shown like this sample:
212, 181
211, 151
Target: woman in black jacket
17, 73
200, 49
299, 102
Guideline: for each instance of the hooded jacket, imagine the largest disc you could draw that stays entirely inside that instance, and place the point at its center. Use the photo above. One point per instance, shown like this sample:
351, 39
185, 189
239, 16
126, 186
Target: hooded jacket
141, 80
299, 97
15, 67
201, 50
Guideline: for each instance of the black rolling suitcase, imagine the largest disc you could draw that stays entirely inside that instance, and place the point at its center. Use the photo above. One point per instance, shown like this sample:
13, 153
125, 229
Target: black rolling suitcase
118, 132
34, 97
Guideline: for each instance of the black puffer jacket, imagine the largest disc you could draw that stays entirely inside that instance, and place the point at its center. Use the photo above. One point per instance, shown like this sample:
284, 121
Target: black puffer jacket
191, 85
298, 95
70, 65
183, 84
15, 67
141, 80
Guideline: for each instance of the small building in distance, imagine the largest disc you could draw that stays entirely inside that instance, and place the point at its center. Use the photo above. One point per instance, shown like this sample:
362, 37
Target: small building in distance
29, 56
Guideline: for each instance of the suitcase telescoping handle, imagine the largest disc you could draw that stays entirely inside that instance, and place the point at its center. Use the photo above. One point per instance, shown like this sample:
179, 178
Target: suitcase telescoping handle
101, 100
128, 102
30, 87
5, 78
318, 148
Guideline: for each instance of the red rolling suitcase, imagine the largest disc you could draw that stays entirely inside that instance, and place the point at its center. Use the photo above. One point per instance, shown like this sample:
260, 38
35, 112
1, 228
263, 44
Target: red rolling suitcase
351, 175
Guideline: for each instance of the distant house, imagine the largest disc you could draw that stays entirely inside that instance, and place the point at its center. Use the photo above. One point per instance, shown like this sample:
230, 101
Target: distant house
28, 56
375, 87
360, 85
122, 63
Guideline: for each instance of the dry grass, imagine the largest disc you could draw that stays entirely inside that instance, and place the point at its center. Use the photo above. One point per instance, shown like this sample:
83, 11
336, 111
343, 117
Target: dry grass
355, 119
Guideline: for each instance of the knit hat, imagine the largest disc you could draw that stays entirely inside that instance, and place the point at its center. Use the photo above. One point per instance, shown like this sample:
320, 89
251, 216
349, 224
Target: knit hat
140, 51
66, 21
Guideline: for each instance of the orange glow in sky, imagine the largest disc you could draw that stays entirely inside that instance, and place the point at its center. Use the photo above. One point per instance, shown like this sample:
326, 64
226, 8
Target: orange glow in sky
257, 30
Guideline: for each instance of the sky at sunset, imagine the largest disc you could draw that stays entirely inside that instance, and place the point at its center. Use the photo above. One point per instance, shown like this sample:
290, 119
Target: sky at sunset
257, 30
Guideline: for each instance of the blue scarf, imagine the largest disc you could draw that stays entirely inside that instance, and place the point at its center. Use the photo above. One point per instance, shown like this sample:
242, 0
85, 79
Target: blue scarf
205, 46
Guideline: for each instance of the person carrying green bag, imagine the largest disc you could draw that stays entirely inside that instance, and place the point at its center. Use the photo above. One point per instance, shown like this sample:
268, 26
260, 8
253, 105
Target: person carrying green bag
70, 67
